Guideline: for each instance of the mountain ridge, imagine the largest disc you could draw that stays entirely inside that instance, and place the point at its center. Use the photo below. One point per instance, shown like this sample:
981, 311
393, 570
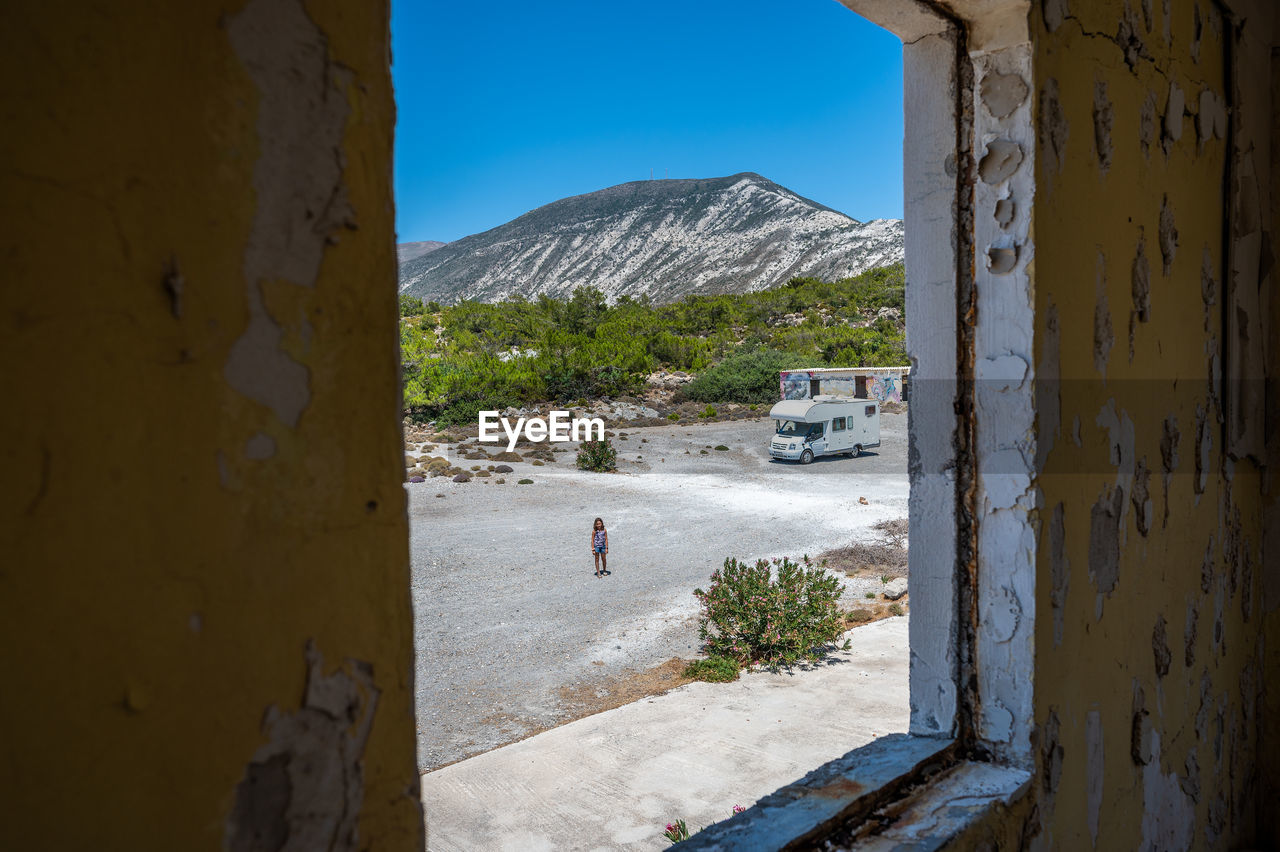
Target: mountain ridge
406, 252
661, 238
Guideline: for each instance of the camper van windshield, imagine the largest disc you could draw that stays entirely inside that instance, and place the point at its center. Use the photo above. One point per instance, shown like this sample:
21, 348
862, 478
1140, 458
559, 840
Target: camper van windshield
795, 428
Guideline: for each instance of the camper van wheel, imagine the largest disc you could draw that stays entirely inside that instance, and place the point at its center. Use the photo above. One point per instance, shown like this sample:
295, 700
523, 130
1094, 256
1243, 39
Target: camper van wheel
857, 450
806, 457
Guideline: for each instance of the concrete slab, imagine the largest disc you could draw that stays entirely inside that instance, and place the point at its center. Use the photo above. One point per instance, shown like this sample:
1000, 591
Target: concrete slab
613, 780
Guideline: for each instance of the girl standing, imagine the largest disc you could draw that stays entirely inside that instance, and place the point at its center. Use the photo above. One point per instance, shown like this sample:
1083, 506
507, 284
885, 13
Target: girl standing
600, 547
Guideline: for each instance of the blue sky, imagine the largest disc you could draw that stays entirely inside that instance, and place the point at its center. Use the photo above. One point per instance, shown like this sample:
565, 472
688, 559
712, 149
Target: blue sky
504, 107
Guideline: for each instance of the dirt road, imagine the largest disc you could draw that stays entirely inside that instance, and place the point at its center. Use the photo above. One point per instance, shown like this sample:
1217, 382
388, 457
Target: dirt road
512, 627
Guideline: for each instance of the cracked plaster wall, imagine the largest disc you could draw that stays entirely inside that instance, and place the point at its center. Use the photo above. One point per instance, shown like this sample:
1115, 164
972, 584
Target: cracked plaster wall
204, 595
1151, 296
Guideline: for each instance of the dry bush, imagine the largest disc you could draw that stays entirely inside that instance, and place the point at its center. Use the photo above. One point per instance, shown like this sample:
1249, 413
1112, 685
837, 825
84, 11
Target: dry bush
895, 531
885, 554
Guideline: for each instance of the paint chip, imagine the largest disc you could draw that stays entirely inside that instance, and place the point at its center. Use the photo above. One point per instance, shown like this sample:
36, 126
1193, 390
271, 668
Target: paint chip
305, 786
1048, 387
1140, 497
1204, 442
1208, 286
1000, 162
1160, 647
1168, 460
1103, 118
1103, 336
1168, 235
1140, 727
1096, 780
1060, 570
1003, 93
1001, 261
1189, 635
301, 122
1197, 30
1206, 568
1175, 107
1104, 541
1130, 39
1004, 212
1140, 280
1055, 12
1053, 127
1147, 123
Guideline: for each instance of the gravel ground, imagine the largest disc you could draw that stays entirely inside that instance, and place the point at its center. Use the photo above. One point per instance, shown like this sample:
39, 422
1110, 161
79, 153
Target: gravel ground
508, 612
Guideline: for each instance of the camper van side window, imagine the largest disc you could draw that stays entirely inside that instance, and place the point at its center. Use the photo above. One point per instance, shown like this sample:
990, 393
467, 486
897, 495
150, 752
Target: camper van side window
837, 424
870, 411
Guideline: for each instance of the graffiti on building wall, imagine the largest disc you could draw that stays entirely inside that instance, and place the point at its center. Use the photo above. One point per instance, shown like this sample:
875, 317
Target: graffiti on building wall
884, 388
796, 384
839, 385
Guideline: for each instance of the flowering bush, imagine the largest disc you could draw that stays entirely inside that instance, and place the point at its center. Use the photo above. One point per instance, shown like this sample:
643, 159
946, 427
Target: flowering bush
599, 456
676, 831
777, 613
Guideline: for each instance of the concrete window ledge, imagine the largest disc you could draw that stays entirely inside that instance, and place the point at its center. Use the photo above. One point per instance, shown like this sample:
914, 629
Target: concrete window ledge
874, 778
944, 808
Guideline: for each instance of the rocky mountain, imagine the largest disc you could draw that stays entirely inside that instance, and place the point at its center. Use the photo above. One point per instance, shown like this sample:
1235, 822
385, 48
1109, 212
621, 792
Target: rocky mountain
406, 252
663, 238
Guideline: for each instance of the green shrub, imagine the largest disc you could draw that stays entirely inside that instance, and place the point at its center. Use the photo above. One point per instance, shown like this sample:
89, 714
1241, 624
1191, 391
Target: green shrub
598, 456
716, 669
776, 613
524, 482
708, 412
461, 358
745, 376
895, 609
673, 416
722, 448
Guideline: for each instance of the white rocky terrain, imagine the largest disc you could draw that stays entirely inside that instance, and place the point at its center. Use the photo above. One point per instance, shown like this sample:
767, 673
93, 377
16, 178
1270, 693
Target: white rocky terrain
406, 252
660, 238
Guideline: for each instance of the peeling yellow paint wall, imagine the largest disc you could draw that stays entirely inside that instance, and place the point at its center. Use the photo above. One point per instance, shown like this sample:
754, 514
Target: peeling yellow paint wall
1152, 273
204, 596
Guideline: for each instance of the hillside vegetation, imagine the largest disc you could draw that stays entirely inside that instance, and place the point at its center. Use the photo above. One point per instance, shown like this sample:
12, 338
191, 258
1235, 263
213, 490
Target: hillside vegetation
460, 359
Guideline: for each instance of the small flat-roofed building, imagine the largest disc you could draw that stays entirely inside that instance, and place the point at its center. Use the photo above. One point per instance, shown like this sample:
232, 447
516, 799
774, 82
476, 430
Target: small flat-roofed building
886, 384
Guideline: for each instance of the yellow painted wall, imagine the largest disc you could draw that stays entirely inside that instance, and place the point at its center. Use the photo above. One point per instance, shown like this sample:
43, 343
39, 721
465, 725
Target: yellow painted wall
1148, 685
200, 441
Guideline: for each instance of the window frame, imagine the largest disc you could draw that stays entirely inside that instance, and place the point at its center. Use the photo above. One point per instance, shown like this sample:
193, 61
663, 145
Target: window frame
970, 430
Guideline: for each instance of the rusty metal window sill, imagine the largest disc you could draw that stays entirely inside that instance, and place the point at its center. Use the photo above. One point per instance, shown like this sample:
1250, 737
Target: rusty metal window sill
898, 789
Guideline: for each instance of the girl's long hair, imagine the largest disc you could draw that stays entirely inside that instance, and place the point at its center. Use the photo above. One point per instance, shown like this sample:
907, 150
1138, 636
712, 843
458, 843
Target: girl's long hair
599, 521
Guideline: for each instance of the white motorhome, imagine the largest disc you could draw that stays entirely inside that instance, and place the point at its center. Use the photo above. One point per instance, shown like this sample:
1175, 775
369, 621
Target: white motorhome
826, 426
